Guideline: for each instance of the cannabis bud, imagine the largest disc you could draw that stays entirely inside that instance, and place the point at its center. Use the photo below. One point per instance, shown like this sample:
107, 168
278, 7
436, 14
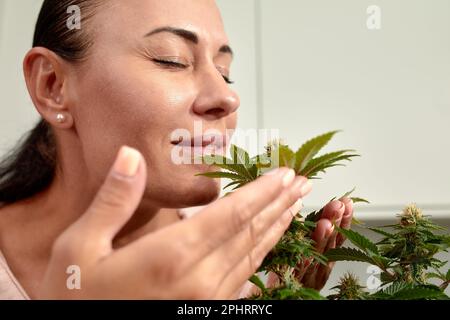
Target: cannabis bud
348, 289
411, 214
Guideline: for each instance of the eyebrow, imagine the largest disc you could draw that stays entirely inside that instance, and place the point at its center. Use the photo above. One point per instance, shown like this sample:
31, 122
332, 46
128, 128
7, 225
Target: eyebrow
187, 35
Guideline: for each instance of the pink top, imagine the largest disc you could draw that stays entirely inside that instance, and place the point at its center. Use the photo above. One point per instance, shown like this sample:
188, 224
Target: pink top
10, 288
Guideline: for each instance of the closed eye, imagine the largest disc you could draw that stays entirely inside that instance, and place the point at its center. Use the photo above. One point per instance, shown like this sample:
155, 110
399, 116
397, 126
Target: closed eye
170, 63
174, 64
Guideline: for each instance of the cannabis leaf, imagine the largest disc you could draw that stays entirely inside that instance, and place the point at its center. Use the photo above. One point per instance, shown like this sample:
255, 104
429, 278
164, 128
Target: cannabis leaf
326, 161
348, 254
308, 150
242, 169
258, 282
359, 240
404, 291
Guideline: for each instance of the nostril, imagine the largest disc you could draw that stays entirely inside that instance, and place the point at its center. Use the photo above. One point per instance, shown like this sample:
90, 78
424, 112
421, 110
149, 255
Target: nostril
215, 112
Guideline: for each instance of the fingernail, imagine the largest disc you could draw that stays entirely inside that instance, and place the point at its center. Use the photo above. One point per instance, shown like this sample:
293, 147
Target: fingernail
329, 231
297, 206
288, 178
336, 212
347, 214
127, 162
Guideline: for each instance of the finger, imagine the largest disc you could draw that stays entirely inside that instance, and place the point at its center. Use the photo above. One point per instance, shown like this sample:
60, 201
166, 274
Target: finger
325, 239
322, 233
346, 220
333, 211
249, 265
272, 280
233, 214
118, 197
231, 253
195, 238
322, 274
302, 267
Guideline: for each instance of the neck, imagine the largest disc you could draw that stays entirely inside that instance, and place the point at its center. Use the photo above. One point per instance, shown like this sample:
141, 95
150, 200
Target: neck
55, 209
35, 223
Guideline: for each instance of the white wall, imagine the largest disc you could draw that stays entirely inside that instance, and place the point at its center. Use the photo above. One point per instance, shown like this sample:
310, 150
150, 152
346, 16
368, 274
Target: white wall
17, 114
389, 90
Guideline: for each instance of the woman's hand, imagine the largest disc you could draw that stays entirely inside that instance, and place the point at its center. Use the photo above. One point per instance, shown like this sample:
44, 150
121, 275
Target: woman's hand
339, 212
208, 256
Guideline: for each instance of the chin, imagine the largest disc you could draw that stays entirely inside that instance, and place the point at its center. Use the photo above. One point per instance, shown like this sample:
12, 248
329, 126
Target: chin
188, 192
202, 192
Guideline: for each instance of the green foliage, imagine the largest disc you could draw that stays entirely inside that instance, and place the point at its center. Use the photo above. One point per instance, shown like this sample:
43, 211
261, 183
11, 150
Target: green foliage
289, 289
296, 244
405, 254
242, 169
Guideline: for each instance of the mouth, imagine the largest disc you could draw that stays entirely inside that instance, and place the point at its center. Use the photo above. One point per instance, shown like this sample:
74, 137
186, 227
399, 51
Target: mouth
203, 145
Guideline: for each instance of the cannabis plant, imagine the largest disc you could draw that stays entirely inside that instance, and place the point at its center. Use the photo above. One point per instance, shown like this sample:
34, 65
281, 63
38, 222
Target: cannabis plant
406, 256
296, 245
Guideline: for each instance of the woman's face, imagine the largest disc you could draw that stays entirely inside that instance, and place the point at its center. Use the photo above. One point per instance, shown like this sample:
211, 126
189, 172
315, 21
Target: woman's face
154, 67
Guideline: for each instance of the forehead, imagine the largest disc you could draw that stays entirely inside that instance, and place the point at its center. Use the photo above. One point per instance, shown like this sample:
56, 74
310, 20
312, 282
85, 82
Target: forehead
134, 18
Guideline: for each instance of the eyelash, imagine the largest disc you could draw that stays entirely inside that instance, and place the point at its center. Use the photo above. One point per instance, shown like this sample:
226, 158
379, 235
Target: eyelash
173, 64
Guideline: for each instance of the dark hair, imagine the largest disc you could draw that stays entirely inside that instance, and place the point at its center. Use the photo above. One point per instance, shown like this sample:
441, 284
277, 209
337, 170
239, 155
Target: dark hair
31, 166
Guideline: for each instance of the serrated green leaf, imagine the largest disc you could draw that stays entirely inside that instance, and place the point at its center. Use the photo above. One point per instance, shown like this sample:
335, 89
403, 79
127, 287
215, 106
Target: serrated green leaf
314, 175
286, 156
239, 155
447, 276
418, 292
357, 222
310, 224
382, 232
359, 240
232, 183
396, 287
434, 275
321, 163
359, 200
347, 254
257, 282
308, 150
246, 172
322, 167
314, 216
309, 294
348, 193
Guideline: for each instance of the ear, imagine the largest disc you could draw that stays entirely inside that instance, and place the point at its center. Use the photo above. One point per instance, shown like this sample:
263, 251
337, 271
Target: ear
45, 78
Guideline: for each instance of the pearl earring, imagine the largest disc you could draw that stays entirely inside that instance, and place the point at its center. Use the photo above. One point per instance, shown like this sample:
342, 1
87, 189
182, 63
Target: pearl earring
60, 118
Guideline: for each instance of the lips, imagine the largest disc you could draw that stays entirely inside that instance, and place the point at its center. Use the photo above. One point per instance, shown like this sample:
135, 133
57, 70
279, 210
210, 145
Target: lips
204, 145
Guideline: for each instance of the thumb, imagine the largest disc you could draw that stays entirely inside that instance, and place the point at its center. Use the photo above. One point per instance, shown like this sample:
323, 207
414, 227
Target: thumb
118, 197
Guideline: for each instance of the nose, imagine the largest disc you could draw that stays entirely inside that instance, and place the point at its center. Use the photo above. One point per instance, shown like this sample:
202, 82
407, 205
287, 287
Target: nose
215, 99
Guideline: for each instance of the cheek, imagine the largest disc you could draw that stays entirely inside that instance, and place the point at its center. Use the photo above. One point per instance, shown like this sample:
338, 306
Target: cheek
139, 110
